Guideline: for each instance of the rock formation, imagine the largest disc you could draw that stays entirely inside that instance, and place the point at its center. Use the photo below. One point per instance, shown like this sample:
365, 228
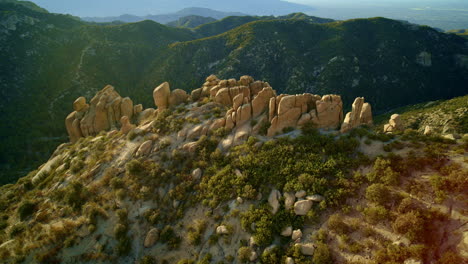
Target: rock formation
394, 124
361, 114
253, 107
103, 113
161, 96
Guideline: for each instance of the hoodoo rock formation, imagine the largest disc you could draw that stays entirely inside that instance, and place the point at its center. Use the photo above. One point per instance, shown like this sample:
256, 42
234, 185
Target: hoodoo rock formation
252, 107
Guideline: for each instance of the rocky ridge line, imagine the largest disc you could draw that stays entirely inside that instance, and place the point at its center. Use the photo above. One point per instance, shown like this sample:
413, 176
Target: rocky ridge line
251, 105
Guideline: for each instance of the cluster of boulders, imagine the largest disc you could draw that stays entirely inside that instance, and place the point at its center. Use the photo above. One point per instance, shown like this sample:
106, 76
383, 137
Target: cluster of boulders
301, 207
104, 112
108, 110
251, 105
394, 124
256, 100
164, 97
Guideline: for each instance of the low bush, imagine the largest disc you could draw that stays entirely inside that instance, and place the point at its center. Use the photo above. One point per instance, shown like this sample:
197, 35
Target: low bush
378, 193
26, 209
337, 225
375, 215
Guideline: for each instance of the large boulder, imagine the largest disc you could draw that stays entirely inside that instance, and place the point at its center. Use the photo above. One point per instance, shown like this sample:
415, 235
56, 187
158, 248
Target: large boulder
261, 102
289, 200
144, 148
161, 96
243, 114
273, 200
308, 249
178, 97
329, 112
394, 124
80, 104
126, 107
302, 207
296, 234
222, 230
151, 238
287, 231
223, 97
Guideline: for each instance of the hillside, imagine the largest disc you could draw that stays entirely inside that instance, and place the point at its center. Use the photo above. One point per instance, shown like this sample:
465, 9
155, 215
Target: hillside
459, 32
51, 59
191, 21
198, 180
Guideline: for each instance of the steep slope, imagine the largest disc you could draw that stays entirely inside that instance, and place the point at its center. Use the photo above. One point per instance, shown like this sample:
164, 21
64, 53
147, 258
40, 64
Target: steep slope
191, 21
51, 59
167, 191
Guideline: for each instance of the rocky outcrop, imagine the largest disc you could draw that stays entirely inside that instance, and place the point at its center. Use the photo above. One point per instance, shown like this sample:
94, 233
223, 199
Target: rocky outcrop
361, 114
104, 112
394, 124
296, 110
253, 108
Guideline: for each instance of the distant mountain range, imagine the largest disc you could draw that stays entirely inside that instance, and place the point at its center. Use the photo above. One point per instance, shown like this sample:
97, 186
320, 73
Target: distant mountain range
166, 18
143, 7
191, 21
48, 60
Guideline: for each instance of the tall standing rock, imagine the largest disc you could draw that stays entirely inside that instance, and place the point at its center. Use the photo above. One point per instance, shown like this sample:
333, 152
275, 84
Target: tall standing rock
161, 96
361, 114
126, 107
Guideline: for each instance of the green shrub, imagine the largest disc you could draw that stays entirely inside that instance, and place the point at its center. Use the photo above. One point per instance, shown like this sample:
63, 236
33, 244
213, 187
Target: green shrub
147, 260
17, 229
337, 225
377, 214
134, 168
26, 209
243, 254
77, 165
195, 232
272, 256
410, 224
75, 195
117, 183
120, 231
124, 246
378, 193
322, 254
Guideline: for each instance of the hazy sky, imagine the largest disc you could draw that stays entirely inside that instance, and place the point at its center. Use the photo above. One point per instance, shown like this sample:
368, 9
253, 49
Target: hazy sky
446, 14
144, 7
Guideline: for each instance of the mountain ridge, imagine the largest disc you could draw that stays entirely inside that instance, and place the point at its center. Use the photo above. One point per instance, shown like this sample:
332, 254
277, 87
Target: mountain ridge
320, 58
